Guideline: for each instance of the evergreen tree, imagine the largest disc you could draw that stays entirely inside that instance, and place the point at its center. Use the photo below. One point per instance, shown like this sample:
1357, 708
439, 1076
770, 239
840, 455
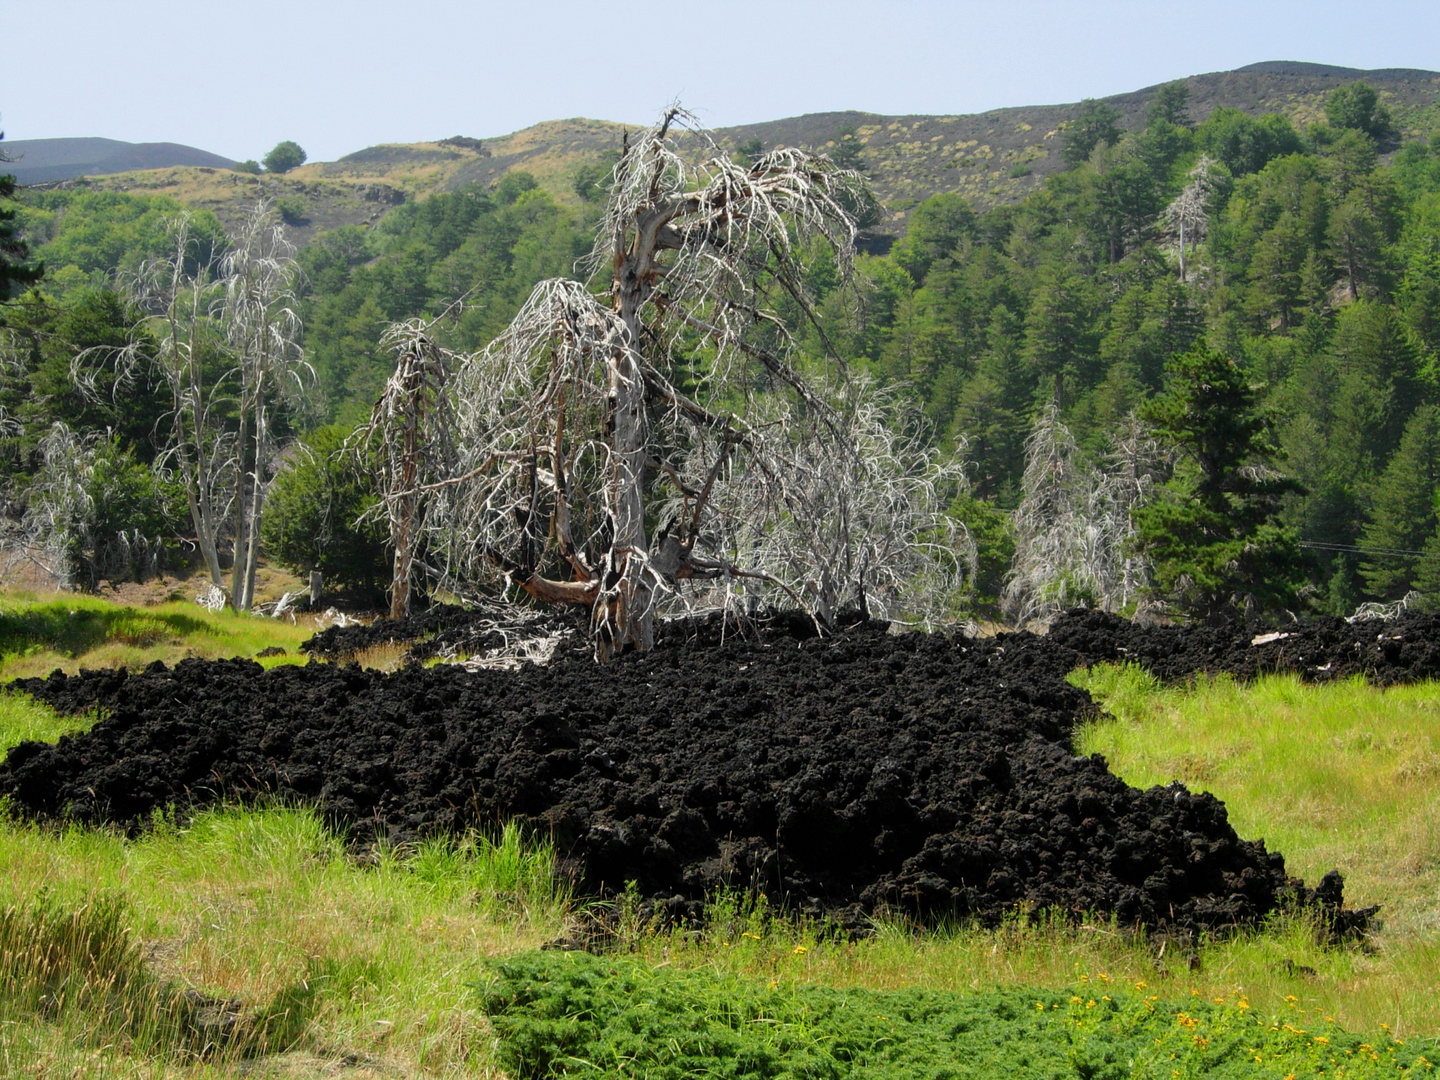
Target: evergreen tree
1246, 144
1402, 516
1126, 200
313, 511
1376, 380
49, 336
1147, 326
1418, 256
1357, 107
284, 156
14, 252
1212, 536
1056, 328
1170, 105
1096, 123
992, 411
936, 230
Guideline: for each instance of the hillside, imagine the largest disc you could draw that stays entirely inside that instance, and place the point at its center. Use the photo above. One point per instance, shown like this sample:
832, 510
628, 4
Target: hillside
992, 158
39, 161
309, 204
907, 158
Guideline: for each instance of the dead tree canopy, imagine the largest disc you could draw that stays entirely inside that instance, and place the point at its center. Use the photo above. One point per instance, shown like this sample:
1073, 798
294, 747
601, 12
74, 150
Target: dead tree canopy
1074, 533
410, 440
650, 436
220, 341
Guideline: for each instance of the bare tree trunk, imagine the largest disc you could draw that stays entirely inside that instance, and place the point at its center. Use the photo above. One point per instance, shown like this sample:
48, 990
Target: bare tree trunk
252, 544
264, 333
400, 584
1182, 251
187, 382
409, 443
238, 561
625, 593
200, 515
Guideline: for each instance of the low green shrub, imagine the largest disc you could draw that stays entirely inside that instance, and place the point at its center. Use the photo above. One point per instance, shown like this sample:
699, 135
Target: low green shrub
562, 1013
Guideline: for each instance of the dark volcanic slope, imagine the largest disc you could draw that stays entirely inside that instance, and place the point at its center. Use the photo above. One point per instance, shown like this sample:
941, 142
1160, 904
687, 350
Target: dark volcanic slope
38, 161
929, 773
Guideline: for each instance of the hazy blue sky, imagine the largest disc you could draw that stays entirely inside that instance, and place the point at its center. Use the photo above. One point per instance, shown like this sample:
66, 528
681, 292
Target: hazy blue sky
235, 78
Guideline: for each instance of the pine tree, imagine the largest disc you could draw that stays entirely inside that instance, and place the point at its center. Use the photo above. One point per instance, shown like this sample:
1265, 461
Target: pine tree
14, 252
1213, 537
1402, 515
1056, 327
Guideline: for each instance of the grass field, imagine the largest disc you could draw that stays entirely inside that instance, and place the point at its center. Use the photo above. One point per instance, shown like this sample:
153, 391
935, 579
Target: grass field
117, 956
1341, 776
69, 631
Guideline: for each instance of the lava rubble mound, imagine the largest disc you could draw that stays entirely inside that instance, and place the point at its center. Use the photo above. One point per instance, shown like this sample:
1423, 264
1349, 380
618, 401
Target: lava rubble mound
927, 774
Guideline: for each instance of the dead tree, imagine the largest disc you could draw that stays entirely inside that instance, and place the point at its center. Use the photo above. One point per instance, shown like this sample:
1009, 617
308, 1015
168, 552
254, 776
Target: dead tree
606, 444
220, 337
1135, 463
410, 437
262, 330
855, 515
179, 292
1189, 213
66, 529
57, 506
1073, 526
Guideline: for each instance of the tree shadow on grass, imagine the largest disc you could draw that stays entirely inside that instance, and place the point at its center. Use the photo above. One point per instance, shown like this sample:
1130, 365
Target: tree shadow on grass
74, 631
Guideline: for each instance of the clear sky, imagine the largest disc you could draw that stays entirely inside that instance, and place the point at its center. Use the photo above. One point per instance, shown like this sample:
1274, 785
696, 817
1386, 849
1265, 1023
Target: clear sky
236, 77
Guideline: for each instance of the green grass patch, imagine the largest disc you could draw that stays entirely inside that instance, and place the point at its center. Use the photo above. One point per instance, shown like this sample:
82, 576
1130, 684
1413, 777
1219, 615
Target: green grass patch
22, 719
1340, 776
80, 970
338, 958
39, 635
574, 1014
1274, 966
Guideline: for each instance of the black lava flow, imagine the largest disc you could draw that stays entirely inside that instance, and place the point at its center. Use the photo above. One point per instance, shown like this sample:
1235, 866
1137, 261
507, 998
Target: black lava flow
930, 775
435, 621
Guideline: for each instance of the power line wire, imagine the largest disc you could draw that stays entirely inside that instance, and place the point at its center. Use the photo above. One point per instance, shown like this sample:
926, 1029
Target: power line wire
1321, 546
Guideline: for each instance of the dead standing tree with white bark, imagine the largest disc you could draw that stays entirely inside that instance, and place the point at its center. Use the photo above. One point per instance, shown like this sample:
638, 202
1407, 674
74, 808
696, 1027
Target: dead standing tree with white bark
1073, 527
669, 405
179, 292
410, 438
221, 339
1189, 213
857, 519
263, 332
69, 527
